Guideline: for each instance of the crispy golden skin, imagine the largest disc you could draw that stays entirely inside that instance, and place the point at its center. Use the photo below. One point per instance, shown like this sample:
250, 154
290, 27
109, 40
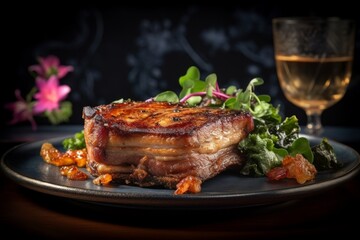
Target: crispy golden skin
159, 143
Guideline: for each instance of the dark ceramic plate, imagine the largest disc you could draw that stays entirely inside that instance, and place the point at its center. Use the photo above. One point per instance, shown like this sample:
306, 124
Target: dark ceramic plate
24, 165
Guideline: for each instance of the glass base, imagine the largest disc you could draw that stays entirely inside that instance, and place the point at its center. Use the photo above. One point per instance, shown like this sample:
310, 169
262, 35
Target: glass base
314, 126
314, 131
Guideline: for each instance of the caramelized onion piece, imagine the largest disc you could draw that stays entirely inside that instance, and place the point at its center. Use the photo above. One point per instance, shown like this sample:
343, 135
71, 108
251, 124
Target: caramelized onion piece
104, 179
294, 167
53, 156
189, 184
73, 173
299, 168
277, 173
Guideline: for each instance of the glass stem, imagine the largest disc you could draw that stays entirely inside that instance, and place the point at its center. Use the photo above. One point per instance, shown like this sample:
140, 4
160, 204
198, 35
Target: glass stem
314, 126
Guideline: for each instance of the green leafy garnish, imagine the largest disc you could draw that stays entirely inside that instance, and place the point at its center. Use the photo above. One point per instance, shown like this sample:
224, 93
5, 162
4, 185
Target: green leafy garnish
302, 146
167, 96
272, 139
75, 142
324, 156
260, 154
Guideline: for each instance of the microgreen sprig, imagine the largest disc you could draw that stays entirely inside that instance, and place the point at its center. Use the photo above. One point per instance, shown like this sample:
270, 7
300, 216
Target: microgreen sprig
208, 93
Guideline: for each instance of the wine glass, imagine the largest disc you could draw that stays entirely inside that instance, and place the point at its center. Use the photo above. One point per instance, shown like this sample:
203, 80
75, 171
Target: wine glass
314, 63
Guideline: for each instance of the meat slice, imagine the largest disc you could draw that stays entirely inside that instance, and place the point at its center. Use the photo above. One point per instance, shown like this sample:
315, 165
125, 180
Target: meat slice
160, 143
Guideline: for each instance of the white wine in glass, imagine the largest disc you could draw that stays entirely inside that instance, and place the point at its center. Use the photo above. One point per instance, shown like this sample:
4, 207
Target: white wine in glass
314, 63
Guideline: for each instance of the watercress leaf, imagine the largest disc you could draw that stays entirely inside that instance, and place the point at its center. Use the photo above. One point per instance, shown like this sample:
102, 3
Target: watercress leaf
211, 80
210, 84
261, 110
167, 96
244, 97
280, 151
302, 146
237, 104
254, 82
199, 86
257, 81
192, 101
264, 98
192, 86
230, 90
209, 92
230, 102
324, 156
188, 84
184, 92
192, 73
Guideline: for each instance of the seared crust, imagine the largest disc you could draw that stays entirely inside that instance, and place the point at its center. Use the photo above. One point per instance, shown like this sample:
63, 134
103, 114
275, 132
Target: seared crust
159, 143
158, 117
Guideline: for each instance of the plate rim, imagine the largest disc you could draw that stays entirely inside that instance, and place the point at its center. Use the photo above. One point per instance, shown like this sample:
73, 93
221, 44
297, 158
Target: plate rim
188, 201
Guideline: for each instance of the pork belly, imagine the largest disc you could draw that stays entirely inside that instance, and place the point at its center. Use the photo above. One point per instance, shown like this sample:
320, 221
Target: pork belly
160, 143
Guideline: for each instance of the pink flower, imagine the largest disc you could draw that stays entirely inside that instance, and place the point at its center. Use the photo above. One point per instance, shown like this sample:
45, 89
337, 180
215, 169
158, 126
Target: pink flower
50, 66
22, 110
50, 94
46, 98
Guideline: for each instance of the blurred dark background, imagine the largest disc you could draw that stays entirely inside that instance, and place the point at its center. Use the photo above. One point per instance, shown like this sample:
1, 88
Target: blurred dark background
136, 51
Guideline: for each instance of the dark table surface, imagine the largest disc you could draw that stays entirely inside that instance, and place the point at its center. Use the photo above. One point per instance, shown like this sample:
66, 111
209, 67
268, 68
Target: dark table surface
28, 213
